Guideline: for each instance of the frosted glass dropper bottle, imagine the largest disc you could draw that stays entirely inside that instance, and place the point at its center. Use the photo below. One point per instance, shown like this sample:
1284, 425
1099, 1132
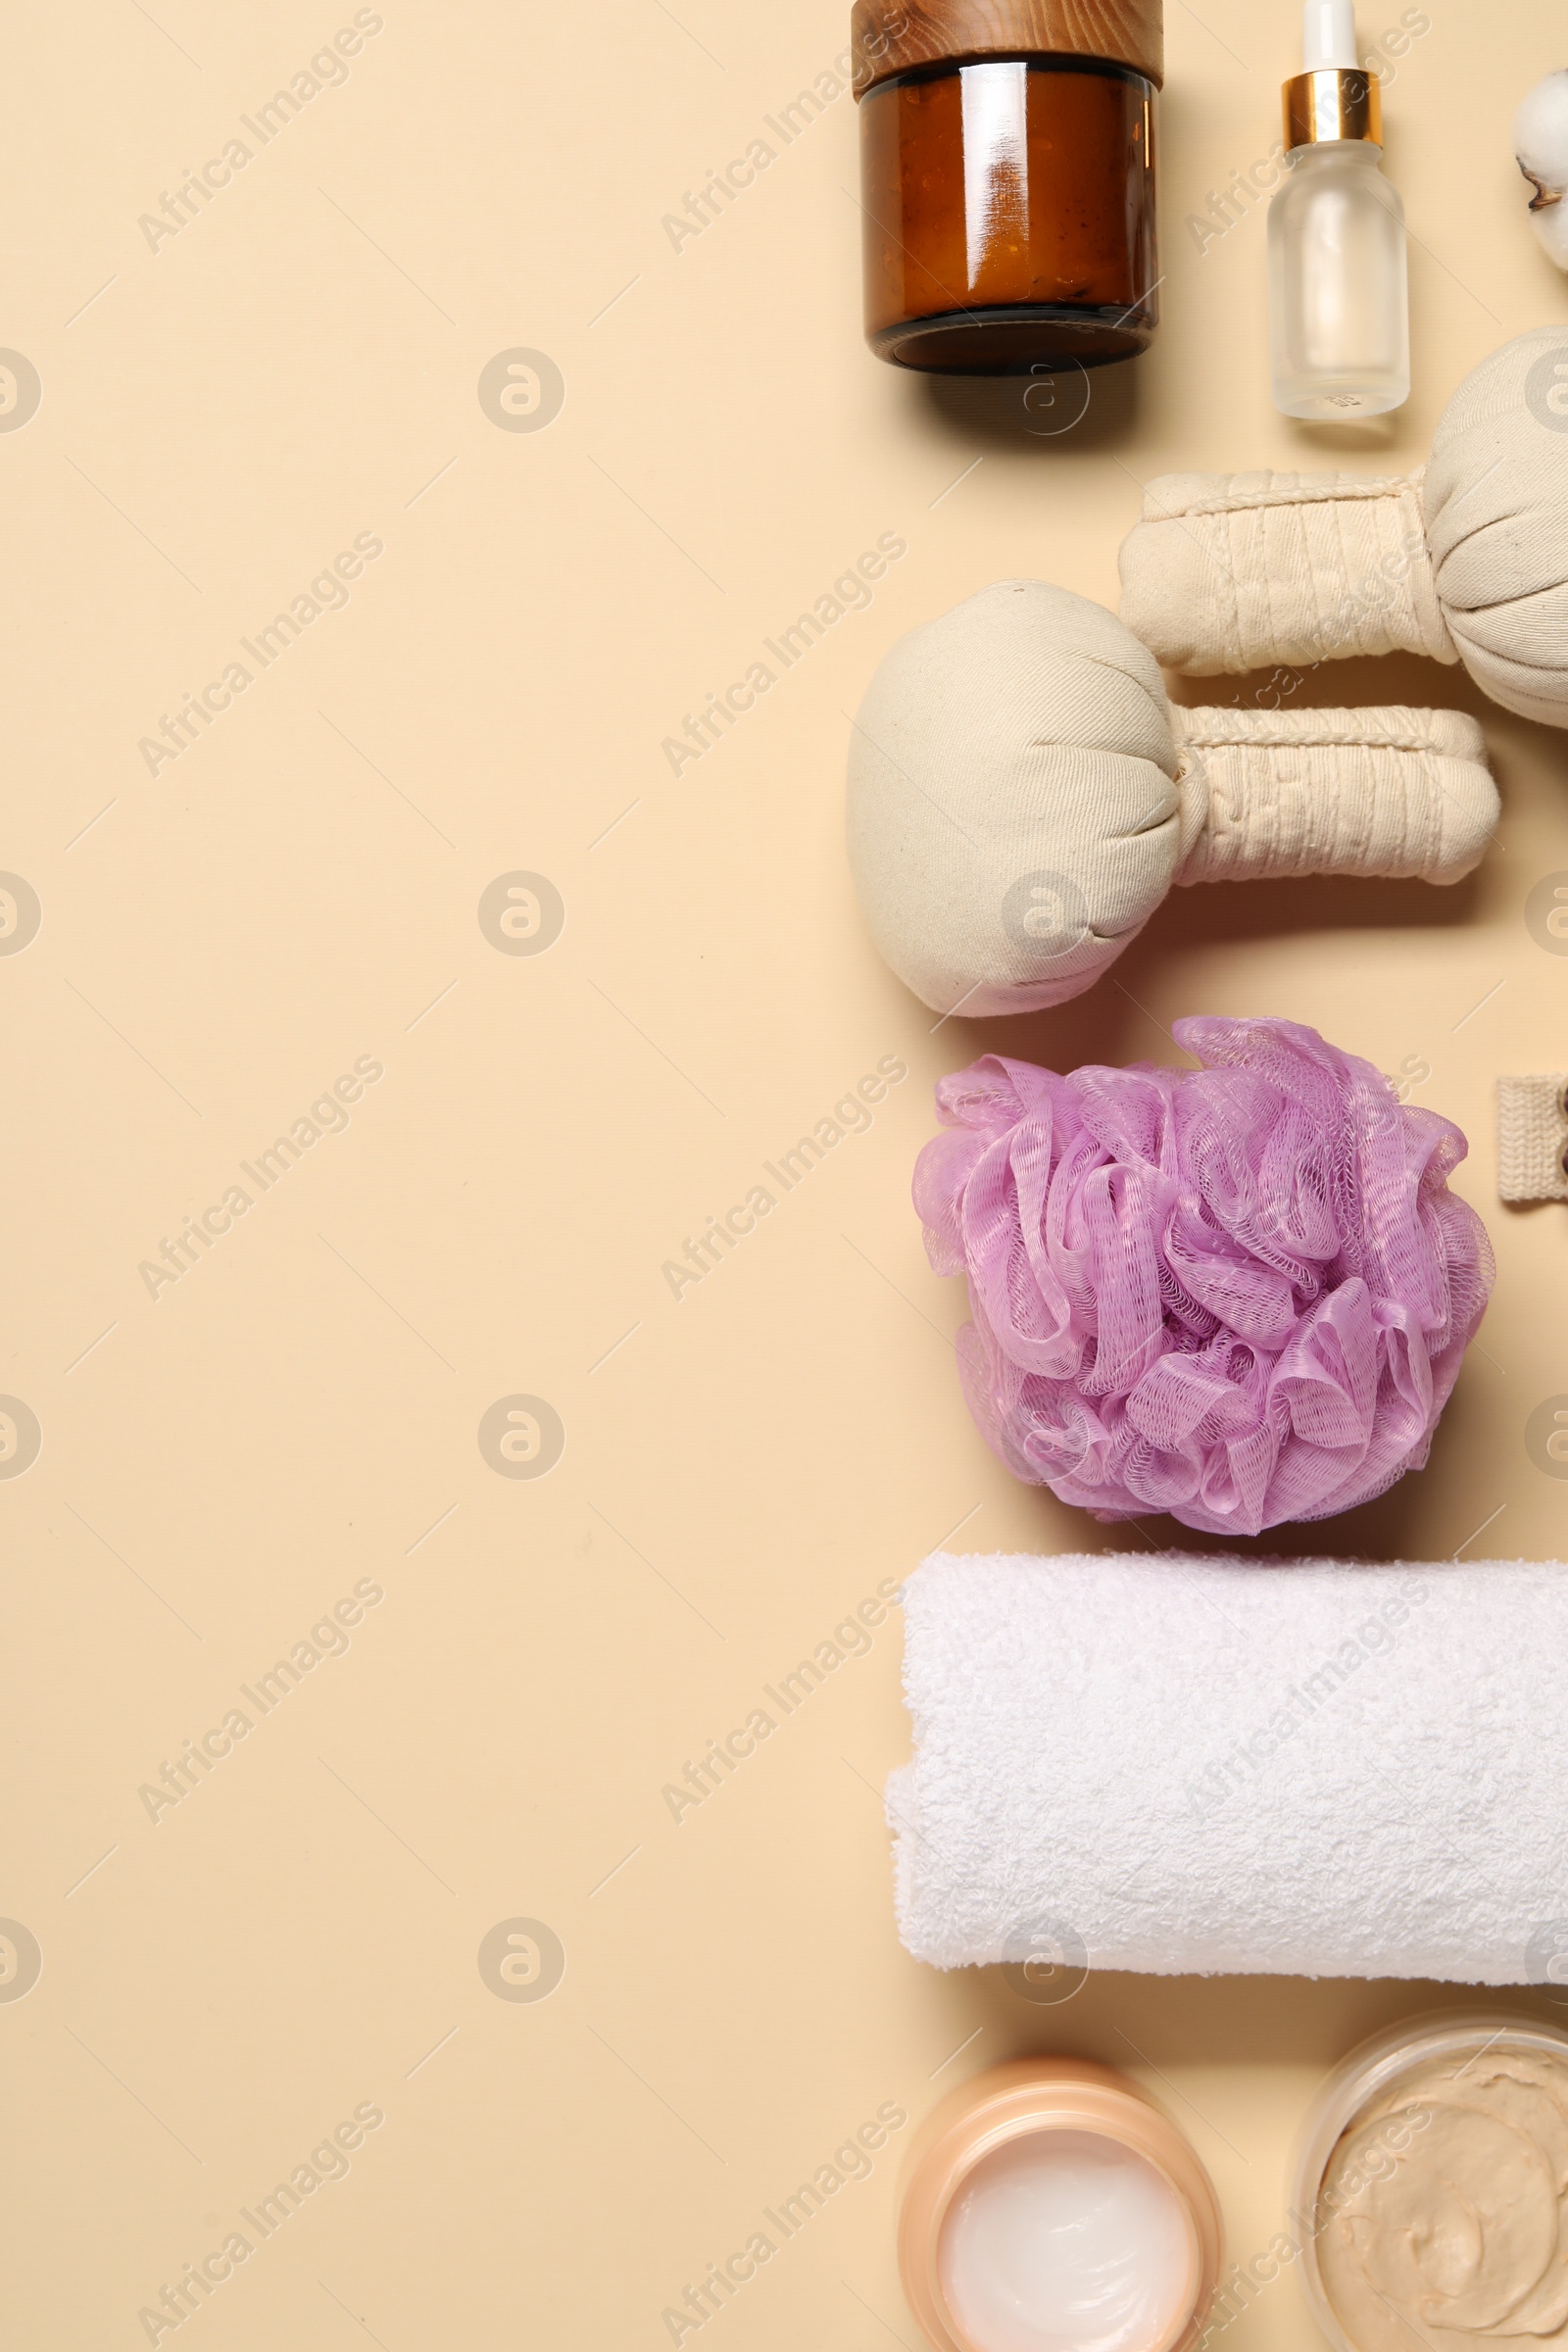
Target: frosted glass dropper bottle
1338, 296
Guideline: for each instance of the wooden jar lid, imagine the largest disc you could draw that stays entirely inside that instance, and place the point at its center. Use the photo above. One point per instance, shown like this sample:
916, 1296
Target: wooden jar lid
890, 37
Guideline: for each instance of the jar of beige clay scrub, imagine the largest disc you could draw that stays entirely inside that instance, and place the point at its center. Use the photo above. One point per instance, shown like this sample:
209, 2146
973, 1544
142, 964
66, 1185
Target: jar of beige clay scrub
1431, 2192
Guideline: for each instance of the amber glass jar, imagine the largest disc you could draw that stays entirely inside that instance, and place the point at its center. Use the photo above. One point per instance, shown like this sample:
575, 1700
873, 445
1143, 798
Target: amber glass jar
1007, 182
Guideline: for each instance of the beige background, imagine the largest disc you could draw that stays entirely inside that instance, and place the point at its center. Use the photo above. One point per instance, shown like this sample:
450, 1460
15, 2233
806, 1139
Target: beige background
221, 417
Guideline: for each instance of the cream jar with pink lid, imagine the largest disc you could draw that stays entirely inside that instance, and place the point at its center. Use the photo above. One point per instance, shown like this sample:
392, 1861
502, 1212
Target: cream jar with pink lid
1050, 2206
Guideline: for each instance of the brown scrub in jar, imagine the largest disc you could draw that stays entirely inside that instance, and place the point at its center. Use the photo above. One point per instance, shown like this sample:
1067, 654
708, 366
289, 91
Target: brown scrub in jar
1007, 182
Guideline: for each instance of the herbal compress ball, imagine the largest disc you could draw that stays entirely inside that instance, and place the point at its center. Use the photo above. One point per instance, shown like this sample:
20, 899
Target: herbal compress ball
1240, 1293
1022, 796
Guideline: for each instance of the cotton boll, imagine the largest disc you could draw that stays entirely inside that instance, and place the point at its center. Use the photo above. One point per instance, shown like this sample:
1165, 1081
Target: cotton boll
1541, 142
1541, 134
1551, 225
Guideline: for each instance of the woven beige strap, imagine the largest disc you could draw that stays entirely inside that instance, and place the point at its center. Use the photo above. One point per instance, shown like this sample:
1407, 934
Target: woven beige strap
1532, 1138
1400, 792
1228, 572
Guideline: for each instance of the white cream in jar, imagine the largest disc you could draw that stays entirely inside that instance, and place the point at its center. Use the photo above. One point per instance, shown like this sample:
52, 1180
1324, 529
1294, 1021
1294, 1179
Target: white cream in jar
1067, 2241
1052, 2206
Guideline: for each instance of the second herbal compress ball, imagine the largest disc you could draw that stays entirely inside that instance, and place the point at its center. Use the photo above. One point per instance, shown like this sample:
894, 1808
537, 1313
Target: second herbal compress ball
1240, 1293
1465, 560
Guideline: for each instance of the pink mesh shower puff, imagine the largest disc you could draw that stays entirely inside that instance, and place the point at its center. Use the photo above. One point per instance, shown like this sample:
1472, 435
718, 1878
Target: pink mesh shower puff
1240, 1293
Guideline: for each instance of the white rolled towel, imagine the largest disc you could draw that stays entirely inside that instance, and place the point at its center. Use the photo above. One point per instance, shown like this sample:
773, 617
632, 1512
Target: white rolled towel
1217, 1767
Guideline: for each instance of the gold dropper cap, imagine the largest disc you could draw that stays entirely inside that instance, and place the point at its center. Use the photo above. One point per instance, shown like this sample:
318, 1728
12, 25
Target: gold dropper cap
1336, 102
